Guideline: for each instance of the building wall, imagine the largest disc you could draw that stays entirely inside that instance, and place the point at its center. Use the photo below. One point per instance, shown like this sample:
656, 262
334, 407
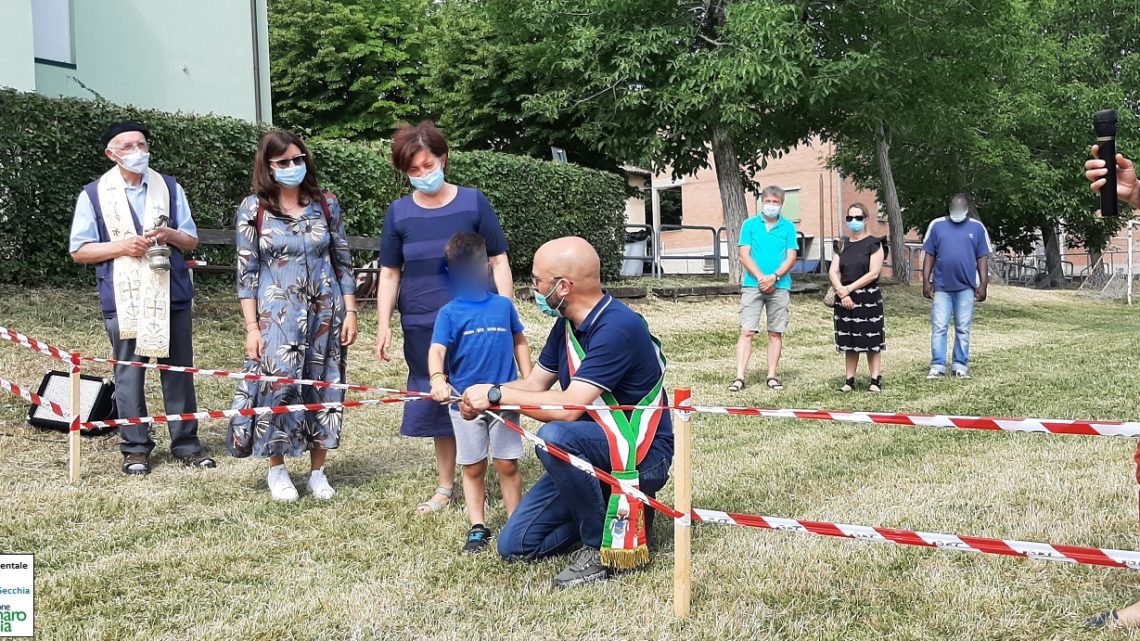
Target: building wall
635, 205
174, 56
17, 67
803, 168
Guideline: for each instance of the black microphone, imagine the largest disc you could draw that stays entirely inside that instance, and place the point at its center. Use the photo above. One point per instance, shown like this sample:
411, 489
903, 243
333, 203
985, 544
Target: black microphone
1104, 123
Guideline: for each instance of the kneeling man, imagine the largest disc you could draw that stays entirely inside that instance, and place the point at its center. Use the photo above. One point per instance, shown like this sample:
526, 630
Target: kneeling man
599, 352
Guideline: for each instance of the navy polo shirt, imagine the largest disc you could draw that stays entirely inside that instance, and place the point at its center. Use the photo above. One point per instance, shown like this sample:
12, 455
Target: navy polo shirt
620, 356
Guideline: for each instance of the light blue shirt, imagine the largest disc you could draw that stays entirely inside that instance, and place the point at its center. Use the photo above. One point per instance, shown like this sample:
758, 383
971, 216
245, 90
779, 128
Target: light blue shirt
85, 230
768, 248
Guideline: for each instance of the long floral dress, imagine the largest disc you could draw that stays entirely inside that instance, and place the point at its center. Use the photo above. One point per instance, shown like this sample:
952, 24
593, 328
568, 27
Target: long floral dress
299, 271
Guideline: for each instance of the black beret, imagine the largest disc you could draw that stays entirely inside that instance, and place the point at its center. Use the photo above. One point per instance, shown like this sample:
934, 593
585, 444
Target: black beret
122, 127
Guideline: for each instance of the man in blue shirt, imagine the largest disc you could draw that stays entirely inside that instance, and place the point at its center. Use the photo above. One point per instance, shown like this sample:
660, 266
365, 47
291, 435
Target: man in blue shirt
955, 276
94, 242
619, 360
768, 247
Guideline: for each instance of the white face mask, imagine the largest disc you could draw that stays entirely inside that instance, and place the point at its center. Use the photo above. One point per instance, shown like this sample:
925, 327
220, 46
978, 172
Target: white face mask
135, 162
958, 215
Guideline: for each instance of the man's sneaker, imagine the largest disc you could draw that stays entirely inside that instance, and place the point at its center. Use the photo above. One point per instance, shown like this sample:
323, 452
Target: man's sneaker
319, 485
280, 485
961, 373
935, 373
478, 537
585, 567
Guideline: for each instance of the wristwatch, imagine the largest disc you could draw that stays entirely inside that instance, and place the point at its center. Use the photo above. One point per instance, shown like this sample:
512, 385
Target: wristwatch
495, 394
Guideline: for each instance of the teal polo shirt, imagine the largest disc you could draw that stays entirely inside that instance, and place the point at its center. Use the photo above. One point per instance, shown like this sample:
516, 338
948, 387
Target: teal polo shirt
768, 247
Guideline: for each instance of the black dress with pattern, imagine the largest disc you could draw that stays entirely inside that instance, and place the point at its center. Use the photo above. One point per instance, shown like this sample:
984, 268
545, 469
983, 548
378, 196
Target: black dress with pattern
861, 328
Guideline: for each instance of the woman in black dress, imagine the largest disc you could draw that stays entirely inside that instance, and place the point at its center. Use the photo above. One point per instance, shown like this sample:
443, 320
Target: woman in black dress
859, 323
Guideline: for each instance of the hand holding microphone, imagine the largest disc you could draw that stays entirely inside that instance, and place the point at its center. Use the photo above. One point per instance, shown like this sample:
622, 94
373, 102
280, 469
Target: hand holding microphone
1111, 174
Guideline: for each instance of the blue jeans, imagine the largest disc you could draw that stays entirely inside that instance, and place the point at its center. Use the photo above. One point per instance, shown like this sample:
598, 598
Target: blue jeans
961, 304
566, 506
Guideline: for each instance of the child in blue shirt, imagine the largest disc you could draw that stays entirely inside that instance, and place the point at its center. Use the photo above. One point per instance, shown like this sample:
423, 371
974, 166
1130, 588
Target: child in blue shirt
479, 337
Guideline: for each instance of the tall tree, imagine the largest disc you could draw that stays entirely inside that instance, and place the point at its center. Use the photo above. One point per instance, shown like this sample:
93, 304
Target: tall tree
650, 82
347, 68
1011, 126
915, 71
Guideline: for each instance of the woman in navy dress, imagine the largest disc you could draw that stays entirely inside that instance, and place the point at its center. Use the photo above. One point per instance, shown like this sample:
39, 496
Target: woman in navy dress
412, 278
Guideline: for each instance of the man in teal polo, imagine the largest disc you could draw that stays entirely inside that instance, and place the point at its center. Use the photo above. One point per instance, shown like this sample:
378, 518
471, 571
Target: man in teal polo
767, 253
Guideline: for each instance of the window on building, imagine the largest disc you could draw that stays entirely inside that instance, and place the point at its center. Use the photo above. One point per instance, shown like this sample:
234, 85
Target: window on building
51, 32
791, 209
670, 199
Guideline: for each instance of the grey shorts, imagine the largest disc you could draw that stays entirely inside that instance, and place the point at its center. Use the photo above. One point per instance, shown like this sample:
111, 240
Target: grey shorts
777, 306
472, 438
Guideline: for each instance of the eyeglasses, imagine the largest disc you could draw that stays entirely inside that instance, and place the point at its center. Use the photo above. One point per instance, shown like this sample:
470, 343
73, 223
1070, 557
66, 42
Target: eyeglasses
535, 280
851, 218
132, 147
282, 163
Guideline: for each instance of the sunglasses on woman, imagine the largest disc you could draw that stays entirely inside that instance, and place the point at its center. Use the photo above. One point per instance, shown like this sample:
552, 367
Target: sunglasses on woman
282, 163
851, 218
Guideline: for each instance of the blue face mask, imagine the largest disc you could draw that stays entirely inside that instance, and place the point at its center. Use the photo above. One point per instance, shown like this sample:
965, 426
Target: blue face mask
770, 210
856, 226
544, 304
430, 183
290, 176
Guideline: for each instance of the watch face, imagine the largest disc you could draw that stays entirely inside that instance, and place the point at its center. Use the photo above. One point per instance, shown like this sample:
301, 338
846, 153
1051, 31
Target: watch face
495, 395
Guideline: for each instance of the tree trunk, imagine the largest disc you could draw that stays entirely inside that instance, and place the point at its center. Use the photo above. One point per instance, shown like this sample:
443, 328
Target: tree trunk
731, 184
1055, 276
889, 196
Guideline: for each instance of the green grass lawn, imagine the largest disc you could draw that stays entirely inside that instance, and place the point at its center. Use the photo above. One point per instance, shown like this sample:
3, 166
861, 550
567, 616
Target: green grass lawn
206, 555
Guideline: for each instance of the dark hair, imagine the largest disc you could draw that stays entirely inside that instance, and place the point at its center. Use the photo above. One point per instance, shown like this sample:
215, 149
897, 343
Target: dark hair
274, 143
465, 246
410, 140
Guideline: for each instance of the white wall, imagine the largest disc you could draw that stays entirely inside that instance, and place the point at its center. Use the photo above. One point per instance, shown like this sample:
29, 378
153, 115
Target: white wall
175, 56
17, 51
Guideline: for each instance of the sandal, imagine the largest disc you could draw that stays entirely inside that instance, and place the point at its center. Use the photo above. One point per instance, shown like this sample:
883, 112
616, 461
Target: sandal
429, 506
136, 464
774, 384
198, 461
1108, 619
736, 385
848, 385
876, 385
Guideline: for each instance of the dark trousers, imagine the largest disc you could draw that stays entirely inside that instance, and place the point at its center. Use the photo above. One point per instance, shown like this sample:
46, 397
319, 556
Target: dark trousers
566, 506
177, 388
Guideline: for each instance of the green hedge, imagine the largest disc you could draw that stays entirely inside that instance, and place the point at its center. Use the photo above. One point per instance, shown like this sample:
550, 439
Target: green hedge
49, 149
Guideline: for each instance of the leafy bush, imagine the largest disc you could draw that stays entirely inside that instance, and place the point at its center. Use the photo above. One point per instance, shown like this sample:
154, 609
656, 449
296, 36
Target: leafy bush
49, 149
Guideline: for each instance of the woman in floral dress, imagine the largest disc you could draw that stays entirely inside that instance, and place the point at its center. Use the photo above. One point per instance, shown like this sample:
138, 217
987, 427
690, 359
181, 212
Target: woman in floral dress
294, 280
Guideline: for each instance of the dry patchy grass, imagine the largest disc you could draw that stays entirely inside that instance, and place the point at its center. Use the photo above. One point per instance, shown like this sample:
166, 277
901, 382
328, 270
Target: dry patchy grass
206, 555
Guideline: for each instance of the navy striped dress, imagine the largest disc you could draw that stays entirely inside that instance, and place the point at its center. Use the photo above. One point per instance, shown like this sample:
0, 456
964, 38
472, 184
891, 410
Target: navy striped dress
412, 241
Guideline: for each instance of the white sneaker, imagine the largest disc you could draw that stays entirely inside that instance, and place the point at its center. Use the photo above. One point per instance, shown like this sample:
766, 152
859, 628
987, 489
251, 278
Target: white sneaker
961, 374
935, 373
280, 485
319, 485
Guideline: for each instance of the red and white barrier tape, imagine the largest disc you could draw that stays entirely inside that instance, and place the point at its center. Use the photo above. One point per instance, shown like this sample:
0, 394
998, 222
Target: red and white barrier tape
1037, 551
64, 355
31, 397
1043, 425
1129, 429
249, 411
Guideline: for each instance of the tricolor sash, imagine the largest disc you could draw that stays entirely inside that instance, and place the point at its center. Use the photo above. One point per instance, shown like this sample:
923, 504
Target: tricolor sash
142, 295
629, 436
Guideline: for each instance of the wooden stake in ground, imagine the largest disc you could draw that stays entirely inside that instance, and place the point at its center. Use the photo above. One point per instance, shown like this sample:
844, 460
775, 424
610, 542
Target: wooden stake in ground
683, 503
73, 432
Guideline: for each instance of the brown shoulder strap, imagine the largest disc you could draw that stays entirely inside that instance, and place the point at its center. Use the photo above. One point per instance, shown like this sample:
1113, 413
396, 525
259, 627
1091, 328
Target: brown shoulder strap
325, 207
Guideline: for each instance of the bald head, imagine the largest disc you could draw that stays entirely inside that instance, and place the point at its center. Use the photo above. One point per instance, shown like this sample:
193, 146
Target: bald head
572, 258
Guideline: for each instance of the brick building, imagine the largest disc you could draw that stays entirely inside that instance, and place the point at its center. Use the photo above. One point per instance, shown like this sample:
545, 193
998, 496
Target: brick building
816, 200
